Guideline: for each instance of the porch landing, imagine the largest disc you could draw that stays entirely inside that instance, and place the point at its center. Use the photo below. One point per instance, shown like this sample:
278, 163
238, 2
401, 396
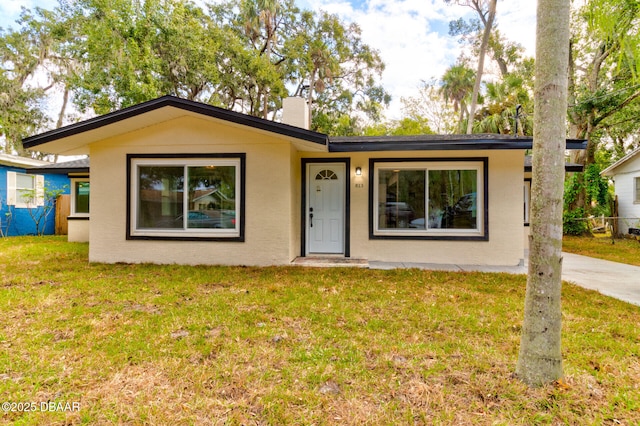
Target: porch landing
330, 261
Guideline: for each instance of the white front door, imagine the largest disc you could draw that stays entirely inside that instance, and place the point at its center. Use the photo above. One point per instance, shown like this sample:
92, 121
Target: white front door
325, 208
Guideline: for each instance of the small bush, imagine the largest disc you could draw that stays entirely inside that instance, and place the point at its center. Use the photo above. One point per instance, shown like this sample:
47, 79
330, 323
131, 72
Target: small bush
573, 223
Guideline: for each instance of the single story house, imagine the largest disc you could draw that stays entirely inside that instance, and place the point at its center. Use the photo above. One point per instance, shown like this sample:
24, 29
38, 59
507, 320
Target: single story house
285, 192
625, 174
22, 197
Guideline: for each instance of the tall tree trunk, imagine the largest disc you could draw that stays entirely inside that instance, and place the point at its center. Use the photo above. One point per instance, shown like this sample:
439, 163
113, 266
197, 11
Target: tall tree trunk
63, 110
463, 110
540, 358
483, 51
312, 85
265, 93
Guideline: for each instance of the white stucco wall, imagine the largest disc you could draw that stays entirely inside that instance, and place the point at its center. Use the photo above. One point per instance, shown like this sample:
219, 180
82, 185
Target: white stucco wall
268, 199
273, 201
296, 199
78, 230
505, 245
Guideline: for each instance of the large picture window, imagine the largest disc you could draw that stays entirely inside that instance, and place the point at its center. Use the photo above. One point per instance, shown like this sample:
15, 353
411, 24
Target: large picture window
429, 199
188, 198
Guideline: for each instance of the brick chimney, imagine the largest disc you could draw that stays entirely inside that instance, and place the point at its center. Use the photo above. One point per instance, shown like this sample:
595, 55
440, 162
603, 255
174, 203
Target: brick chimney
295, 112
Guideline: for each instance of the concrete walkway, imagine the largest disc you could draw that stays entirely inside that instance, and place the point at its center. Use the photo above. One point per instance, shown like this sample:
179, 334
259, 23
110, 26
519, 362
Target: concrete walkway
612, 279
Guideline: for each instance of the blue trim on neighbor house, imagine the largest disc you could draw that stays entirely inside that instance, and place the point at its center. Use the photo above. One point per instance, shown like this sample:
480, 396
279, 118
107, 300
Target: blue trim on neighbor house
16, 221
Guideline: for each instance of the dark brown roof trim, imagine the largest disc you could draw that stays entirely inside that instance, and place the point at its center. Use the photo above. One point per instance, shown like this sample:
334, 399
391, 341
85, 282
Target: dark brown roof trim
568, 167
437, 143
172, 101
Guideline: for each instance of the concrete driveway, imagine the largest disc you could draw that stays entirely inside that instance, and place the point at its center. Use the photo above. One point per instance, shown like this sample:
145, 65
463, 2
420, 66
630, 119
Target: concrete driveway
613, 279
609, 278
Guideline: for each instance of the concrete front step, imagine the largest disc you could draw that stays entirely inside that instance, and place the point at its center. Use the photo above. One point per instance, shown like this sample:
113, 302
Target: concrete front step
330, 261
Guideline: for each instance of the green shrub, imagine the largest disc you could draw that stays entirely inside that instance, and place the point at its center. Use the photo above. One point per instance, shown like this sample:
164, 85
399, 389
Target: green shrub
573, 223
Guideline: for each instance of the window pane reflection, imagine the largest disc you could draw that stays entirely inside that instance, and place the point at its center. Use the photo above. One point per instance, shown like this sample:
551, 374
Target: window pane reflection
453, 199
160, 201
211, 199
401, 197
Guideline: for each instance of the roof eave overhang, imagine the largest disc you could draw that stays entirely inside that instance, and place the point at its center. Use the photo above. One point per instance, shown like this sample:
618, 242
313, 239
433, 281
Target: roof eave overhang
183, 104
567, 168
610, 171
57, 171
442, 145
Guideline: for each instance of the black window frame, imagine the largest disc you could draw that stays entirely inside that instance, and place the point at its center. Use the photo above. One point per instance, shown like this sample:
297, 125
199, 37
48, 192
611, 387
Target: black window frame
373, 176
182, 159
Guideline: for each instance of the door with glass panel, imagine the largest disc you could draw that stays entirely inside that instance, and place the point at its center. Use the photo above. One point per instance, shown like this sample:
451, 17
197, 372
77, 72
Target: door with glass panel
325, 208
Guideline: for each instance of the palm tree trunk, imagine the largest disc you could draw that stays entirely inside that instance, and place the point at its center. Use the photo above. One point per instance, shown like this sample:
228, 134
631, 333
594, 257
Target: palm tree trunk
483, 50
540, 357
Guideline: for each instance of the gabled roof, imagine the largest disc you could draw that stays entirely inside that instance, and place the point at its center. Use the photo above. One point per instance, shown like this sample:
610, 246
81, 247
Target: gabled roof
74, 138
74, 166
610, 171
437, 142
200, 194
118, 122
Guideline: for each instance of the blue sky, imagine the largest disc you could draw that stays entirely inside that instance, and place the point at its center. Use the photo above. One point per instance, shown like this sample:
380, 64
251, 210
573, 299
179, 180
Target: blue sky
411, 35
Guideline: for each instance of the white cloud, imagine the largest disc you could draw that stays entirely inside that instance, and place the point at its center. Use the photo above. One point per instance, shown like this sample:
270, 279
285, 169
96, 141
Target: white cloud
412, 36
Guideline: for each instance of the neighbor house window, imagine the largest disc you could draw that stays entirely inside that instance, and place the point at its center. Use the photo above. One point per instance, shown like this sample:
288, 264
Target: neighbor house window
429, 199
637, 189
25, 190
80, 197
194, 197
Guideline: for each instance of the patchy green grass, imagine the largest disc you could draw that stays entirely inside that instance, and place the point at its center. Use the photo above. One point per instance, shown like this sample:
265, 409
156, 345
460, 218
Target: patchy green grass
148, 344
603, 247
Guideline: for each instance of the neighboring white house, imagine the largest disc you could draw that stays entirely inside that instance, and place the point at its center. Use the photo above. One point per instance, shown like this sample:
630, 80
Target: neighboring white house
625, 174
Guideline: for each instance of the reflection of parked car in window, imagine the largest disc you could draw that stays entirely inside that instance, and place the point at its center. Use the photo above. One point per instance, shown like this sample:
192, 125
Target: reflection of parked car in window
463, 213
198, 219
216, 219
399, 214
417, 223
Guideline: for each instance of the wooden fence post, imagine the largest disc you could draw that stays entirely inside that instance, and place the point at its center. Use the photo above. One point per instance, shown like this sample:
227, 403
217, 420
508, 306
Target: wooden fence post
63, 209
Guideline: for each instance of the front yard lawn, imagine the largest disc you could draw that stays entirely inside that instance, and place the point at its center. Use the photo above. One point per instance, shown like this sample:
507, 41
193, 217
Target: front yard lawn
600, 246
148, 344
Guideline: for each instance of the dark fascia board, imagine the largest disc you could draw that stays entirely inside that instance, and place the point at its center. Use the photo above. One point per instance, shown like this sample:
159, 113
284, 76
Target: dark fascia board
187, 105
57, 171
568, 167
438, 143
74, 166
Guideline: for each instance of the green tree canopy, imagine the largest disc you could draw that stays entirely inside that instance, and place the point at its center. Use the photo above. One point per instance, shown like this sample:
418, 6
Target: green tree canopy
245, 55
